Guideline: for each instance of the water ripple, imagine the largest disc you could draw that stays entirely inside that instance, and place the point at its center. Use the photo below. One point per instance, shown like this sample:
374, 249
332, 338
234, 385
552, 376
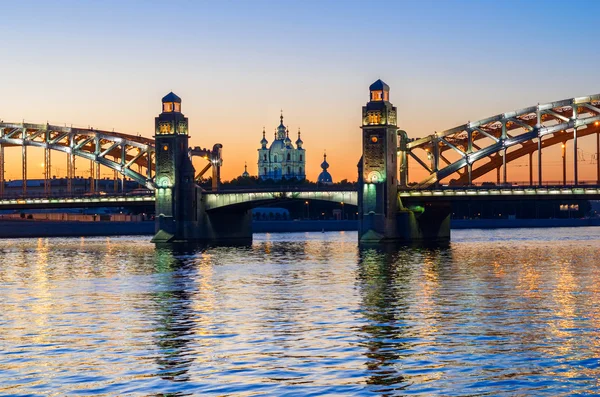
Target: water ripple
495, 313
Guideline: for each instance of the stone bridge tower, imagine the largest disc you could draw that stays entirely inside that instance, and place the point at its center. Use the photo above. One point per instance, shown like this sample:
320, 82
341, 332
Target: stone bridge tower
382, 217
378, 182
175, 186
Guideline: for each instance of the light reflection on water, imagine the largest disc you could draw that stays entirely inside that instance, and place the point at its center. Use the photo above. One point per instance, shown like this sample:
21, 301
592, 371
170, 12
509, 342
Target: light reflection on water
496, 312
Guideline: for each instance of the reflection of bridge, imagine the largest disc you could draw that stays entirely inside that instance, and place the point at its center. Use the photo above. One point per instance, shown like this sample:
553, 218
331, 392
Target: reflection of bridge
391, 206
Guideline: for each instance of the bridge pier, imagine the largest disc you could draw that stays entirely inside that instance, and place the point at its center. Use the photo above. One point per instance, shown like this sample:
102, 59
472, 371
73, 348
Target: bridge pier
382, 217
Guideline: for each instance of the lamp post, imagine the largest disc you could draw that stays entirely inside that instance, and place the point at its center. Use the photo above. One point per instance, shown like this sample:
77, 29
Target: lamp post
342, 203
564, 162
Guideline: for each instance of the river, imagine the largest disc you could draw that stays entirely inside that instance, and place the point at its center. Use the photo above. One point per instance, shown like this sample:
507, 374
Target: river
497, 312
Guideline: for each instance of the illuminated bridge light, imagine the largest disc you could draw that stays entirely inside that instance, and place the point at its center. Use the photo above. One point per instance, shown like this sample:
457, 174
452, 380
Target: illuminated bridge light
471, 192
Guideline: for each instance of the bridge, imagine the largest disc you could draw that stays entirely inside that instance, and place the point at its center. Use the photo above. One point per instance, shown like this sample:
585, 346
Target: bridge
392, 207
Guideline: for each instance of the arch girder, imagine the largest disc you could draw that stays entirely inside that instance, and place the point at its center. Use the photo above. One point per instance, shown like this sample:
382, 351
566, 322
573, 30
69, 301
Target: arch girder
87, 144
533, 122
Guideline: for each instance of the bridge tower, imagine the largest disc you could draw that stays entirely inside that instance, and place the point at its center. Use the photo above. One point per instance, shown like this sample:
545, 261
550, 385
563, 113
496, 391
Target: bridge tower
382, 217
378, 203
175, 187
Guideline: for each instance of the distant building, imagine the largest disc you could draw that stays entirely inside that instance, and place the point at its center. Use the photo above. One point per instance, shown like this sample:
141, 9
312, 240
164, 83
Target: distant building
325, 177
245, 174
281, 159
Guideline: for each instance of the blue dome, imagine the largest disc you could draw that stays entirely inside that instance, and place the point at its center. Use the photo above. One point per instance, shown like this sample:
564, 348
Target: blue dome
379, 85
325, 177
170, 97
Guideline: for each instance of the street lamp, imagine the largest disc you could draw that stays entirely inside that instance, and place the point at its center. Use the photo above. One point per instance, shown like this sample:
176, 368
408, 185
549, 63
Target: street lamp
307, 209
342, 203
564, 159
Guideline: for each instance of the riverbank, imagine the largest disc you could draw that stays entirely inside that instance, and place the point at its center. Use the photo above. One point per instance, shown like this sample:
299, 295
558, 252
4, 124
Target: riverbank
33, 228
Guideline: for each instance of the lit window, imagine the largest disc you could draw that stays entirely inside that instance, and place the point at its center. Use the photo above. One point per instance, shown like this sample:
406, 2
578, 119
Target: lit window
166, 147
168, 107
376, 95
374, 139
164, 128
374, 118
177, 107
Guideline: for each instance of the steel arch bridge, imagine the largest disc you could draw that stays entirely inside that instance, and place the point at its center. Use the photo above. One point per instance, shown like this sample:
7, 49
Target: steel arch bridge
473, 149
129, 155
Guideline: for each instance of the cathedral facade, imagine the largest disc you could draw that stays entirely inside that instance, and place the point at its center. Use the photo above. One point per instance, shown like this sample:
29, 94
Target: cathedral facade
281, 159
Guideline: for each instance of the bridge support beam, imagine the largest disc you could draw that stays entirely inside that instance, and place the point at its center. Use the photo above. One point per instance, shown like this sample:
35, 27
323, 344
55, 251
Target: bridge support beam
539, 150
598, 158
24, 170
1, 170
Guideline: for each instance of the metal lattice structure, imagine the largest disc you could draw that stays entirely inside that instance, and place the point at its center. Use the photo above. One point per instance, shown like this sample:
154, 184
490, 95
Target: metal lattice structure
483, 146
128, 155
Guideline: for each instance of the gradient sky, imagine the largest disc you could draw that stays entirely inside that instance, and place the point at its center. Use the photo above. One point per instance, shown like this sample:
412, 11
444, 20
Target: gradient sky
235, 64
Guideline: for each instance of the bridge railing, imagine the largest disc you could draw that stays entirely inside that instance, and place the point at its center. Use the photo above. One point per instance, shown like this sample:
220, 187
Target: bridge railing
491, 185
291, 188
62, 195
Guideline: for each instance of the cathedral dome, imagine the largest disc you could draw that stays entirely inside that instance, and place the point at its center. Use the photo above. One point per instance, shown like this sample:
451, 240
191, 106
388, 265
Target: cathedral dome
264, 141
324, 176
299, 142
277, 145
245, 174
324, 164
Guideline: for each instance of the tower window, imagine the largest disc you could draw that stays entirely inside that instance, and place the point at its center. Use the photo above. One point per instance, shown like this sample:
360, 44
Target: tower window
177, 107
377, 95
166, 147
288, 157
289, 169
164, 128
168, 107
264, 157
374, 117
275, 158
265, 170
300, 157
300, 171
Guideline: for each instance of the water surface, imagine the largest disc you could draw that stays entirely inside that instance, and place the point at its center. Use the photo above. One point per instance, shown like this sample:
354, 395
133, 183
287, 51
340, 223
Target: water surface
495, 313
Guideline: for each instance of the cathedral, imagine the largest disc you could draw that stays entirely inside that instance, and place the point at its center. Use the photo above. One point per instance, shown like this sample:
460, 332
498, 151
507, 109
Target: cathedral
281, 159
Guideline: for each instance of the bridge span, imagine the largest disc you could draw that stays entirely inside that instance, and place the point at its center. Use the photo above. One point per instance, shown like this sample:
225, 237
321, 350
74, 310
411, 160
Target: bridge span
391, 206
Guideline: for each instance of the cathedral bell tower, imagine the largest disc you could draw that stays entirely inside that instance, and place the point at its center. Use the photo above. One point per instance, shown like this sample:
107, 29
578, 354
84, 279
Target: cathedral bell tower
175, 187
378, 194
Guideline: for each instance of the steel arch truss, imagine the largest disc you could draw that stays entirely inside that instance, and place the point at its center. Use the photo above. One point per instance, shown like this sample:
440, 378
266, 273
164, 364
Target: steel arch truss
116, 151
524, 131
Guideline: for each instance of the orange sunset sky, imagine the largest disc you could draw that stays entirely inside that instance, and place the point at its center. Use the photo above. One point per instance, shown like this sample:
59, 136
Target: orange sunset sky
236, 64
